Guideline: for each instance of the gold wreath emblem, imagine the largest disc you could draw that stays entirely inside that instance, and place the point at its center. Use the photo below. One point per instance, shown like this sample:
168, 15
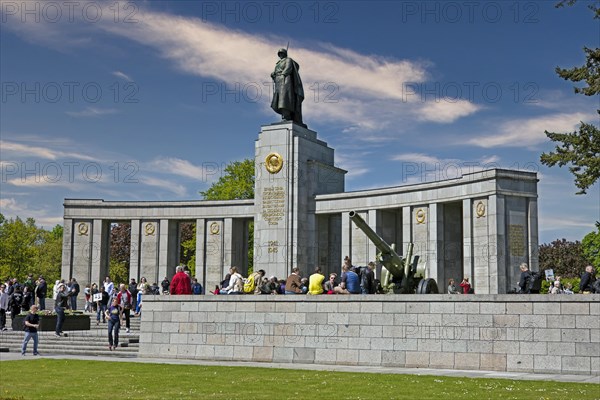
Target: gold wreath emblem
149, 229
82, 229
480, 209
420, 216
214, 228
274, 163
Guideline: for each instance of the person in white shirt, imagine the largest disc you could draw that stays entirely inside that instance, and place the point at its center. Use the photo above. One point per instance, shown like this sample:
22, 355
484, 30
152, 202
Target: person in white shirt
109, 287
236, 282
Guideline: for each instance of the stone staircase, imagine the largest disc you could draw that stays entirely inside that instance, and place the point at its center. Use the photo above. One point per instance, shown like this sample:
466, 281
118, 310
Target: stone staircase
91, 343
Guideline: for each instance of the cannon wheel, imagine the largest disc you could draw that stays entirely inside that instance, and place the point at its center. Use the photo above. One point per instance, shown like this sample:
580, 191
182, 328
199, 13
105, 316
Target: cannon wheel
427, 286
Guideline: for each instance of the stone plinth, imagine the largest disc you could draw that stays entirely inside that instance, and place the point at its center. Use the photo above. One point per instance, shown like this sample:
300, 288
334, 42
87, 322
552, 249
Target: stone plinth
292, 166
528, 333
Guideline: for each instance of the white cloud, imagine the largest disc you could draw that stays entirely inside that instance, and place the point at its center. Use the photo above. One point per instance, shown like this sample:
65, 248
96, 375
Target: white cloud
527, 132
92, 112
355, 167
444, 111
20, 150
11, 208
419, 158
164, 184
177, 166
122, 75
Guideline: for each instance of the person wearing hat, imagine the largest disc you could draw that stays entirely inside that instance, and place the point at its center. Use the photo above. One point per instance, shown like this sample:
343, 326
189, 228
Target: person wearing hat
62, 299
288, 93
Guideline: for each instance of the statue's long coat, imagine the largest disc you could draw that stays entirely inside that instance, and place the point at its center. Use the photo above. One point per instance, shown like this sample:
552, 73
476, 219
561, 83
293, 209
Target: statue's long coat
289, 93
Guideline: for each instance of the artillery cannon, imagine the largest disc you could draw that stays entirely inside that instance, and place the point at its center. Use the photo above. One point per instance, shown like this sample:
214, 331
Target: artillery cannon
403, 270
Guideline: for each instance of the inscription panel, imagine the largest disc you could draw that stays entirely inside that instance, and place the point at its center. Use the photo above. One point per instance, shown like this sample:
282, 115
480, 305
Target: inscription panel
273, 204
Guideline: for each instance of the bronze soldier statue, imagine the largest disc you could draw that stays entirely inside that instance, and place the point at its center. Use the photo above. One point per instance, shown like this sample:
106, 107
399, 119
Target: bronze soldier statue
288, 93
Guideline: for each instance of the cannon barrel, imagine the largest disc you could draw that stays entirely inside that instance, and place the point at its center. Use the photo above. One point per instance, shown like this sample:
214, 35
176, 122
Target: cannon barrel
389, 258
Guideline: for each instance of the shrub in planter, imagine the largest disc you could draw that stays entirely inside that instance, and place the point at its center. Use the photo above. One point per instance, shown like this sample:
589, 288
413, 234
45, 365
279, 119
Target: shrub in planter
74, 321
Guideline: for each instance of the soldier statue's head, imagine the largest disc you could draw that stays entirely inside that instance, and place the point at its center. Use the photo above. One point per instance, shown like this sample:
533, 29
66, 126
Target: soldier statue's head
282, 53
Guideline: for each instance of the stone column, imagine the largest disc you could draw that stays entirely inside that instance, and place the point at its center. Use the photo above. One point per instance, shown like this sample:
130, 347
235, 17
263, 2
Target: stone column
347, 227
484, 212
67, 247
360, 242
532, 232
134, 251
374, 221
82, 250
167, 248
214, 267
468, 249
200, 254
435, 242
497, 253
406, 228
419, 220
149, 251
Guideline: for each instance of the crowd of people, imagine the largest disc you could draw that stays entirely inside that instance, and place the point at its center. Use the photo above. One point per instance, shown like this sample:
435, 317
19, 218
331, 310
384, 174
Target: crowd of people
353, 280
530, 282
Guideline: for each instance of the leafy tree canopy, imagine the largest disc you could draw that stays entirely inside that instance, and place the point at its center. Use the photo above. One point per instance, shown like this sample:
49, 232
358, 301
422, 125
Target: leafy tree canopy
26, 249
237, 183
581, 149
591, 247
564, 257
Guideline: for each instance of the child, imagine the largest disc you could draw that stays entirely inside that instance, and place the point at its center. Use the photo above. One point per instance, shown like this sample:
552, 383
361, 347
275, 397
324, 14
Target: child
88, 297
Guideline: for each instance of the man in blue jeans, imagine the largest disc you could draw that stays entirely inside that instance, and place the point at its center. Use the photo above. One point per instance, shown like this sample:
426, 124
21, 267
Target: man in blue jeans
32, 323
62, 298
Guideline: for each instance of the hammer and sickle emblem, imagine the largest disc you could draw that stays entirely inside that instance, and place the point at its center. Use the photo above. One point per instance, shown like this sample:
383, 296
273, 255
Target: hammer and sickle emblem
82, 229
274, 163
149, 229
420, 216
480, 209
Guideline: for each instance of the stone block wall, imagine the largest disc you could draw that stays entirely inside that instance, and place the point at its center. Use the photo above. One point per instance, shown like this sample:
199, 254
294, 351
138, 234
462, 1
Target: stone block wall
528, 333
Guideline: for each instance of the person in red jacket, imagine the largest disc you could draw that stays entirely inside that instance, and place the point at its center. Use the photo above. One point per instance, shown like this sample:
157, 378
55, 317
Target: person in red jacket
465, 285
180, 284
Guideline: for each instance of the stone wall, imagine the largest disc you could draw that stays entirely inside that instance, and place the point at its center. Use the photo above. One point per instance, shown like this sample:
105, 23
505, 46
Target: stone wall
529, 333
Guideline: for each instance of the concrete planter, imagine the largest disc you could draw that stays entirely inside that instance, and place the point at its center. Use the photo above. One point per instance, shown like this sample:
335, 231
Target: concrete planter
48, 323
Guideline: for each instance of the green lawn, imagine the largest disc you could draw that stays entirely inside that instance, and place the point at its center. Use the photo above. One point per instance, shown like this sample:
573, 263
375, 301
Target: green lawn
78, 379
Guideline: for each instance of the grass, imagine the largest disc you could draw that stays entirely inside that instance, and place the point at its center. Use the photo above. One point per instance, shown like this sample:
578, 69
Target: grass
79, 379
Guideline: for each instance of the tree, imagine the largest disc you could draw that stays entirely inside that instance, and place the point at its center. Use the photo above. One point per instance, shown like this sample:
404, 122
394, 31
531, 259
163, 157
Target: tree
565, 258
18, 241
591, 247
237, 182
120, 252
187, 253
27, 249
49, 256
580, 149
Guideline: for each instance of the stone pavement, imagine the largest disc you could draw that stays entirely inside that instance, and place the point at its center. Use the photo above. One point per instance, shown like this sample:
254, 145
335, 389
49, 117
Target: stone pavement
315, 367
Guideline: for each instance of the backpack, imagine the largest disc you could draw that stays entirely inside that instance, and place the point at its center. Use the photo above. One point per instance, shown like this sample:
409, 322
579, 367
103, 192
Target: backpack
535, 281
197, 288
596, 286
250, 284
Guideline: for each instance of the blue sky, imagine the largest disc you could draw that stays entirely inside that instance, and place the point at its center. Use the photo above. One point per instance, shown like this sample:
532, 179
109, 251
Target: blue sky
150, 100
